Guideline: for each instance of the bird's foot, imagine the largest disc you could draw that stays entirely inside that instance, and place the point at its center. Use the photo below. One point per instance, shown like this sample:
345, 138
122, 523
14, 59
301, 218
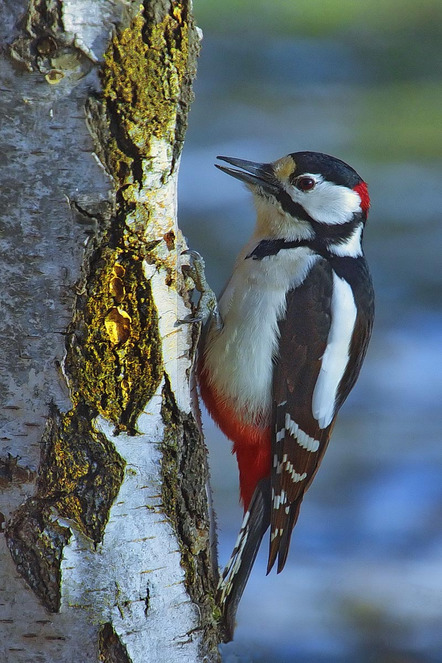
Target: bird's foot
207, 304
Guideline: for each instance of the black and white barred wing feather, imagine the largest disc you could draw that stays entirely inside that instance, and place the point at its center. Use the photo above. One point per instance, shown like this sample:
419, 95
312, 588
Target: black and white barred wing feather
323, 340
298, 442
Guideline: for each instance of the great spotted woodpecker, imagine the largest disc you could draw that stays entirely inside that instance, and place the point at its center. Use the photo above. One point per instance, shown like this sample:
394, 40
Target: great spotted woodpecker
286, 344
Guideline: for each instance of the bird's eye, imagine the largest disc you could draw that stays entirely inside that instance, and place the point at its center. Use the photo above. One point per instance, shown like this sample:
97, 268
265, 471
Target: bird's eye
305, 183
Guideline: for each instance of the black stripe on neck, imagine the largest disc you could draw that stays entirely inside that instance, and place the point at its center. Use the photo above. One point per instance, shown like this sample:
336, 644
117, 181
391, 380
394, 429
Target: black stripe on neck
324, 237
270, 247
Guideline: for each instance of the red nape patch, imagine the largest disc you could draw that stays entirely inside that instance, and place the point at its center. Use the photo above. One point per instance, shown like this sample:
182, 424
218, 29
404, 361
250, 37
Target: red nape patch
251, 443
362, 191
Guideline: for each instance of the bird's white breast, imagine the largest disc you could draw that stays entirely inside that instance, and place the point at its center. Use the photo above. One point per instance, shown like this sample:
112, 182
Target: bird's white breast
238, 356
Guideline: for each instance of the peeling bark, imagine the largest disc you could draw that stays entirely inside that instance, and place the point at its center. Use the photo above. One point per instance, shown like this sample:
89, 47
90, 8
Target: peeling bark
107, 553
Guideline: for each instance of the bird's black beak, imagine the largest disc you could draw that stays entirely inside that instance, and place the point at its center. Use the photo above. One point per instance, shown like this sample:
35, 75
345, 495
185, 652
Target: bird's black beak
256, 174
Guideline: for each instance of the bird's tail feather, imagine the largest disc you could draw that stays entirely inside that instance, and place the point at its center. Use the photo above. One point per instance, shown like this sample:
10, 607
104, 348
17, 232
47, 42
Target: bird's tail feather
236, 573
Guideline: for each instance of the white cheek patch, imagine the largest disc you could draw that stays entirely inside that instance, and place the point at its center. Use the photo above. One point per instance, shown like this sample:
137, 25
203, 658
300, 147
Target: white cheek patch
327, 203
336, 355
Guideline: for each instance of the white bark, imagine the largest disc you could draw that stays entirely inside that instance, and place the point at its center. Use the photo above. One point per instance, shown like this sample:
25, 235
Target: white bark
123, 595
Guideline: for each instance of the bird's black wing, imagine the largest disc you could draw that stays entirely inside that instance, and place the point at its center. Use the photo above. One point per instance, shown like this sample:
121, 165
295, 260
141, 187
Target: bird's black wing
298, 441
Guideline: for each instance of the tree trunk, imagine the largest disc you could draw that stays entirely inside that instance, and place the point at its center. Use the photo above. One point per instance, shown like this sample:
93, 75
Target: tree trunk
106, 554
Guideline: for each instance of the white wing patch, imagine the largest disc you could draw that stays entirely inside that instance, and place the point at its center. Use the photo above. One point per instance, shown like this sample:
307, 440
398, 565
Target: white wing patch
336, 355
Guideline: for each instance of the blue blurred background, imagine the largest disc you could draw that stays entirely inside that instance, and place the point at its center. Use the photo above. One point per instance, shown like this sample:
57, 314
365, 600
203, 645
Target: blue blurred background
361, 81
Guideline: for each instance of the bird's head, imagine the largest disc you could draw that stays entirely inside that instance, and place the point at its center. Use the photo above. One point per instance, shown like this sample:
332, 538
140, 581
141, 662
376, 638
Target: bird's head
306, 195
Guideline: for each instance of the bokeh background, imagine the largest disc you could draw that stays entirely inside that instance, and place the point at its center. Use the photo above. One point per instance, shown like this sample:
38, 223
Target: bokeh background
361, 81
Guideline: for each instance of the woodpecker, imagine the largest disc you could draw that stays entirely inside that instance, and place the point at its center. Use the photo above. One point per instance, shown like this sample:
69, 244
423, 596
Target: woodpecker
284, 347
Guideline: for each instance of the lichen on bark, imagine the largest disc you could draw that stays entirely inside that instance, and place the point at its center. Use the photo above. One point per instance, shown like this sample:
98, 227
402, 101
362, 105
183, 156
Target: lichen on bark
143, 85
121, 343
79, 477
36, 545
114, 352
80, 472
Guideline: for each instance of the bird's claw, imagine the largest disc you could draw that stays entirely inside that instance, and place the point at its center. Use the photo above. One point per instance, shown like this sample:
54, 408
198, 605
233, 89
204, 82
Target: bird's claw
207, 304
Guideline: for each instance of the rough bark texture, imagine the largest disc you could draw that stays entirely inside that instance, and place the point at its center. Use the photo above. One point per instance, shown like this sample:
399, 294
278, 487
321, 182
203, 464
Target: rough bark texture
106, 553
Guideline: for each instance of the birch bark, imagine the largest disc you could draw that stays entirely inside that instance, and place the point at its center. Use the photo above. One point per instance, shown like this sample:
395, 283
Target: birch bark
105, 553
